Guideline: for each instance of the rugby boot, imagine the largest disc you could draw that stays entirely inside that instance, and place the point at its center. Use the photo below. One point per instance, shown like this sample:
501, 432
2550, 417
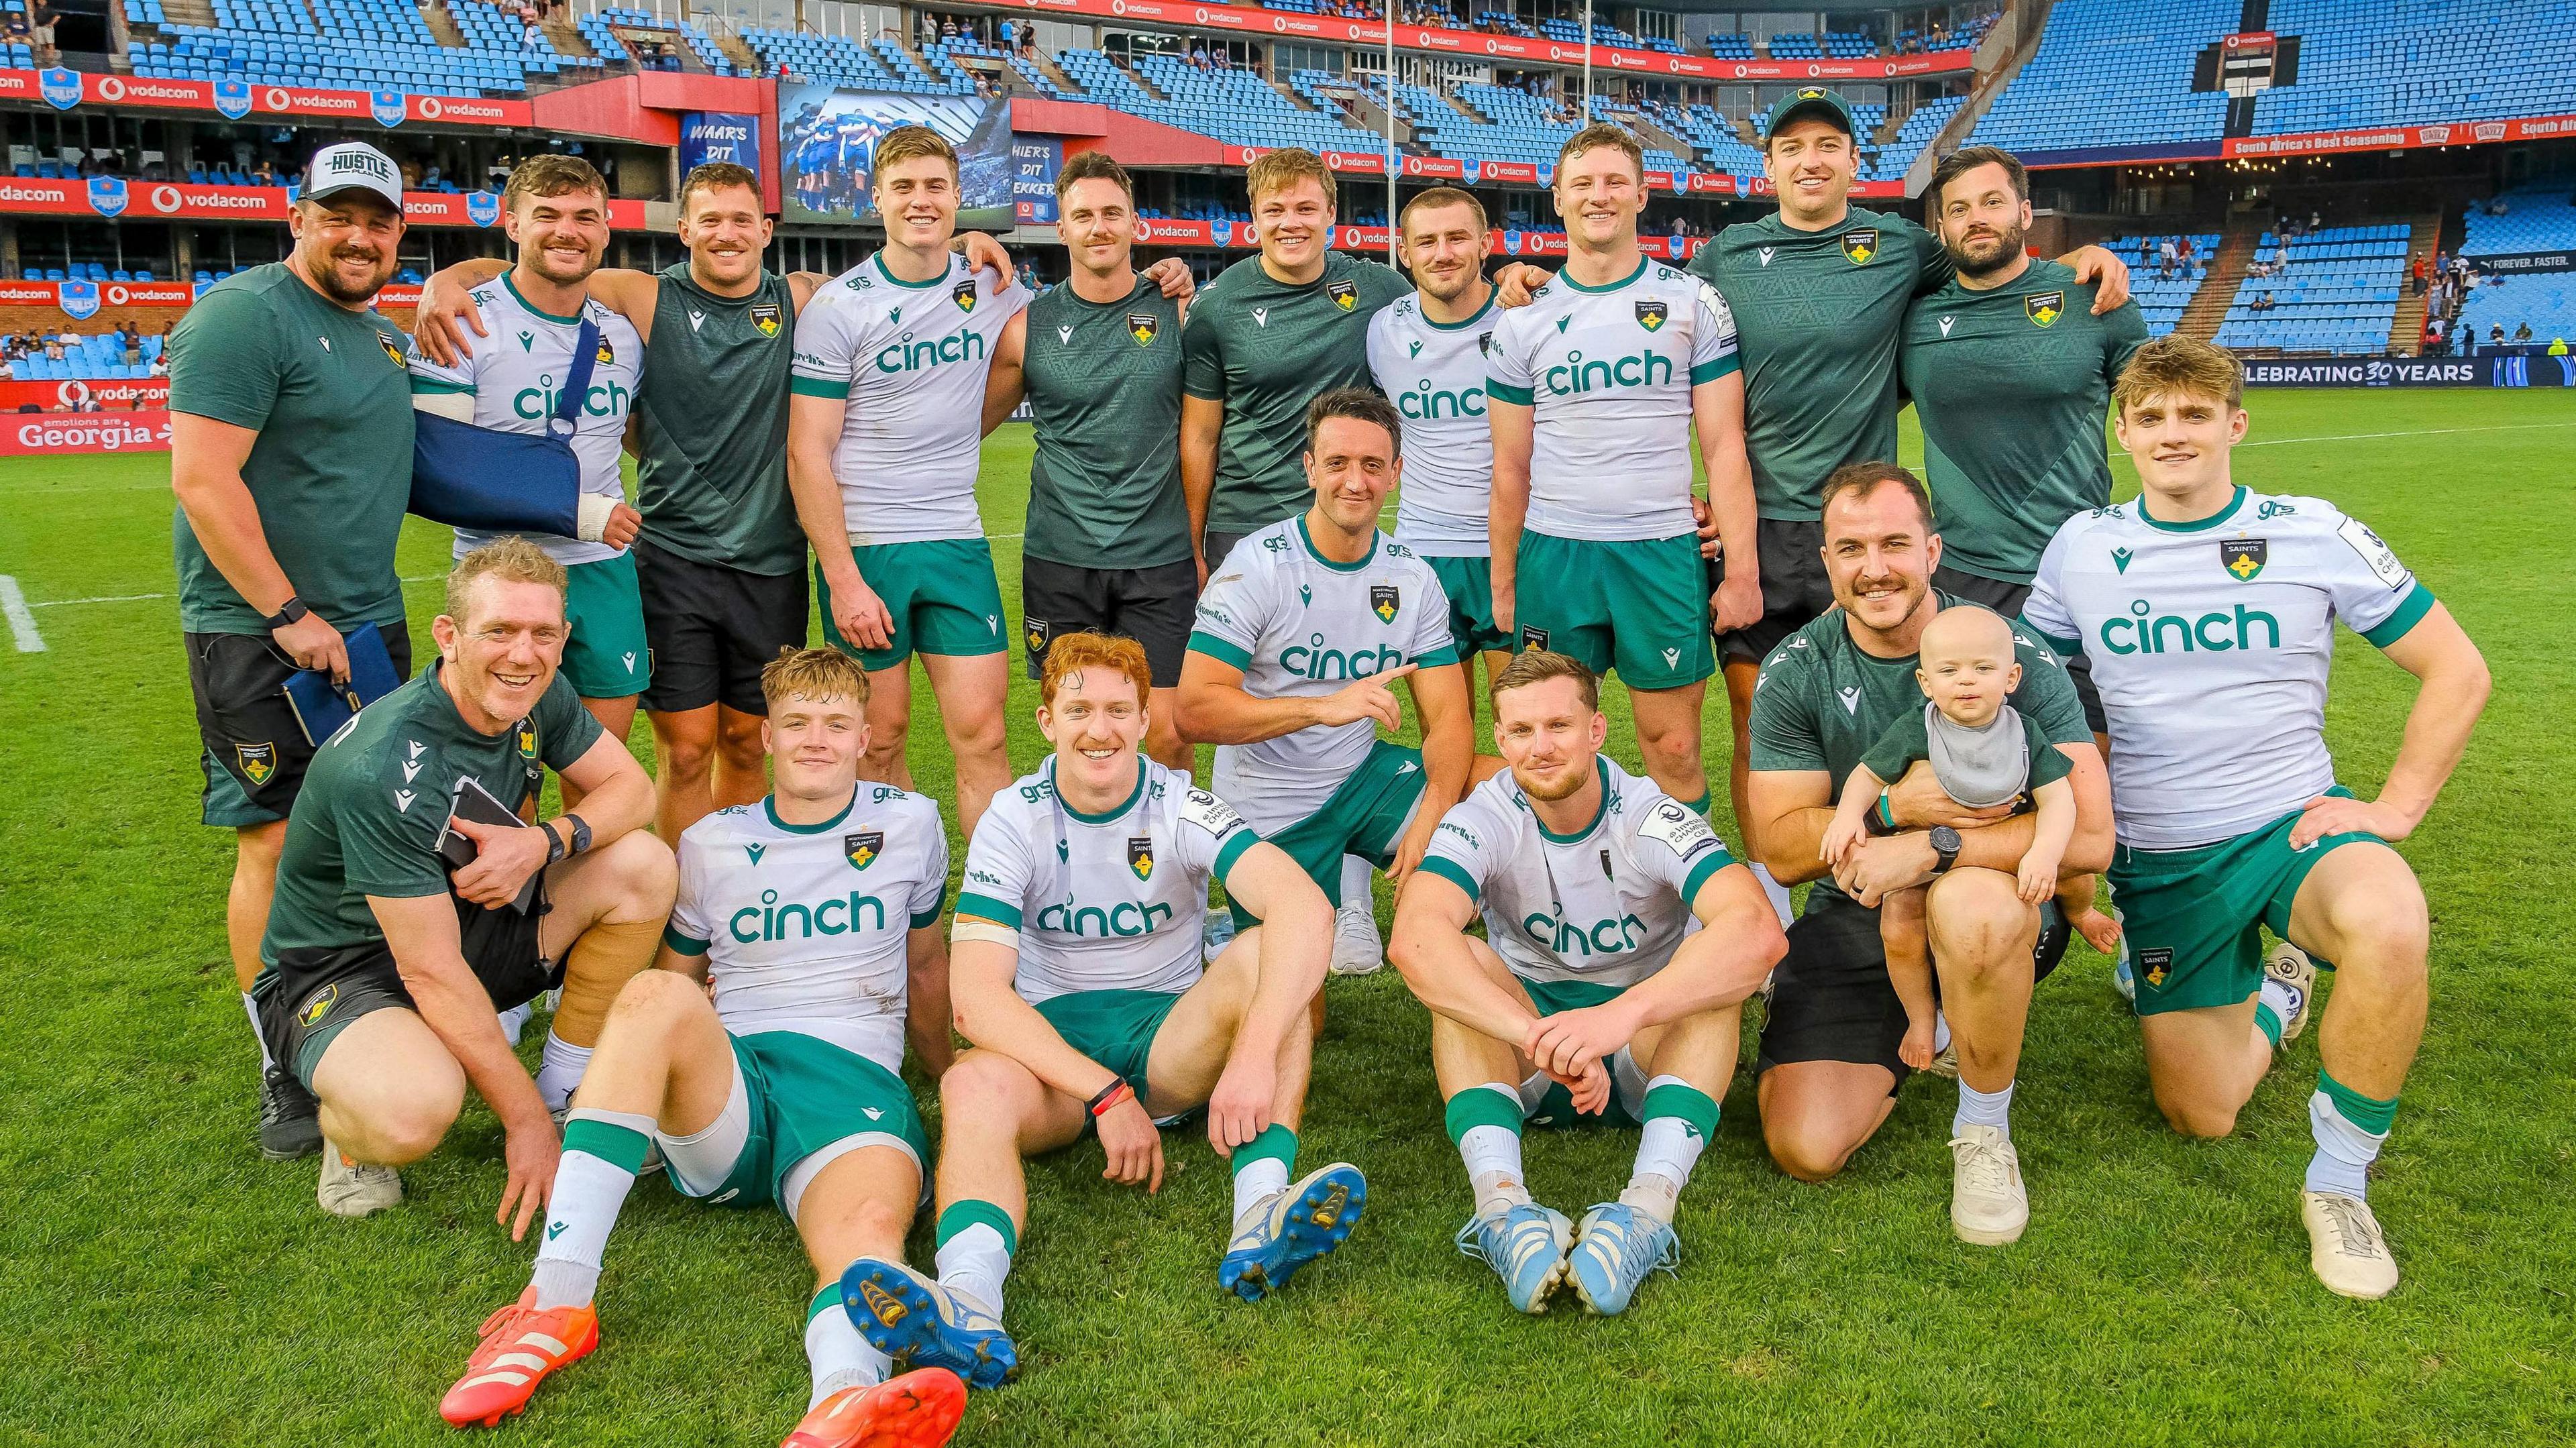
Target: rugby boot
923, 1323
1614, 1252
2346, 1247
1291, 1227
290, 1122
919, 1409
1525, 1244
521, 1346
2297, 974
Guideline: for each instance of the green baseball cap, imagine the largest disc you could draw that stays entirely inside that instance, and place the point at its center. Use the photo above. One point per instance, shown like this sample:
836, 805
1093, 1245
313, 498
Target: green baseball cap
1809, 100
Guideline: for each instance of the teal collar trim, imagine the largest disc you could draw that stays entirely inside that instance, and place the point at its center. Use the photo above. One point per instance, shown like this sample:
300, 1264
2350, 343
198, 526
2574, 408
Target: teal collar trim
879, 262
2234, 503
1124, 805
1642, 260
533, 309
1602, 768
1493, 299
769, 806
1317, 554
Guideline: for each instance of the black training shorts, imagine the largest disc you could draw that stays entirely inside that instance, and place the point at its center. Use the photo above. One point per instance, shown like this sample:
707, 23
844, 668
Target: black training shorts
2007, 599
1795, 589
250, 746
1154, 606
712, 629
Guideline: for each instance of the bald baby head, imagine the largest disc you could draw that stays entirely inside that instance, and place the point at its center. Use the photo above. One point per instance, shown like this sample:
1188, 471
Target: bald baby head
1967, 665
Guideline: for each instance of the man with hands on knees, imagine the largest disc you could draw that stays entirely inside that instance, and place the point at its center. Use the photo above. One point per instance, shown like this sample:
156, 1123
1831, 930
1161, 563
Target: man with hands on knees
383, 975
1620, 942
1076, 973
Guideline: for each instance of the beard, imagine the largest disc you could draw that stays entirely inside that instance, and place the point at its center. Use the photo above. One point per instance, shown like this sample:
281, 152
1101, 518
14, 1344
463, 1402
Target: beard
327, 275
1571, 785
2012, 241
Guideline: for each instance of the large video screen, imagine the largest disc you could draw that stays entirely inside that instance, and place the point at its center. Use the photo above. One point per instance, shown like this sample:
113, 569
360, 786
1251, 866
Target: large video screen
826, 136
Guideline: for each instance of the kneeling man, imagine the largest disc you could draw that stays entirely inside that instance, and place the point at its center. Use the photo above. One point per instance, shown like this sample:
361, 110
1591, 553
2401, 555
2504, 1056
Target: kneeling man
384, 977
2208, 612
816, 912
1596, 989
1078, 981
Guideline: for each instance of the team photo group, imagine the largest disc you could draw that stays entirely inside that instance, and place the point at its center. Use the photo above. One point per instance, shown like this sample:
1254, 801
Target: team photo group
1380, 537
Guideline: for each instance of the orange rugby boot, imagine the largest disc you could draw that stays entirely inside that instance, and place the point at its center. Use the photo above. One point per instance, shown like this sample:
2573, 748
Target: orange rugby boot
520, 1347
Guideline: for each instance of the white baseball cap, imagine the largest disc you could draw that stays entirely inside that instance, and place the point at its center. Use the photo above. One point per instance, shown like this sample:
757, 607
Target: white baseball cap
353, 166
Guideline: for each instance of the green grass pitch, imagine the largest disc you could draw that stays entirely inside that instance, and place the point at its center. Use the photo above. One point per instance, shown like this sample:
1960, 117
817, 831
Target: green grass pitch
162, 1284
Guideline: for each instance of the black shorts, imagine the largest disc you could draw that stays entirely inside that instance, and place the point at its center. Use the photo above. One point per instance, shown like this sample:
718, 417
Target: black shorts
712, 629
1154, 606
1795, 590
310, 996
1218, 545
251, 748
2007, 599
1830, 996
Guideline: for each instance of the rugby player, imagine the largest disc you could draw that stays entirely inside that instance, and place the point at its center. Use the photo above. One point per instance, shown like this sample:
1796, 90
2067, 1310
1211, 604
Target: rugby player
1591, 993
884, 441
816, 913
385, 976
1830, 1069
1427, 352
292, 468
1818, 291
1078, 982
556, 212
2209, 611
1595, 392
1300, 639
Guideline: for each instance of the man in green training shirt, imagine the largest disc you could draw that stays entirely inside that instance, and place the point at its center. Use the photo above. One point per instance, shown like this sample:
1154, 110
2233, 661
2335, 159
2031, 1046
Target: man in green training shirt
2010, 370
1108, 535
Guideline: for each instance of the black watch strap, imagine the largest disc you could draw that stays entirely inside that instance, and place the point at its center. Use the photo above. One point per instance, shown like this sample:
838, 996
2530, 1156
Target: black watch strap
291, 611
1945, 849
580, 833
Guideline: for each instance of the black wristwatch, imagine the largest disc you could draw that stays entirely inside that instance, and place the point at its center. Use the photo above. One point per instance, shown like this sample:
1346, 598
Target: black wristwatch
291, 611
580, 833
1945, 848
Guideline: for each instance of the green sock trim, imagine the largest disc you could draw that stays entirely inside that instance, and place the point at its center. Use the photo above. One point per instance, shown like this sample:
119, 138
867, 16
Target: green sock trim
1700, 805
2268, 1021
1695, 1107
1494, 1105
2368, 1113
970, 1212
619, 1146
825, 1299
1275, 1143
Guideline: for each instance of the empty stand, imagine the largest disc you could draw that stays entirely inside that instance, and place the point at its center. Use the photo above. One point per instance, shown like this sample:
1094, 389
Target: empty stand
2337, 291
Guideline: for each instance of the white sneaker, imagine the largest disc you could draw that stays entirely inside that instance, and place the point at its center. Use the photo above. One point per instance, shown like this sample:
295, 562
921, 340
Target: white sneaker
1215, 934
1357, 950
1988, 1204
350, 1189
2345, 1246
2290, 965
515, 1021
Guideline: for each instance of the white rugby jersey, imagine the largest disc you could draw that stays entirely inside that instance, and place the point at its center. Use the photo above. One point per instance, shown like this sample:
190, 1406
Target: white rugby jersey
1301, 626
1607, 904
1110, 901
1435, 373
2211, 643
1609, 374
910, 359
516, 375
804, 926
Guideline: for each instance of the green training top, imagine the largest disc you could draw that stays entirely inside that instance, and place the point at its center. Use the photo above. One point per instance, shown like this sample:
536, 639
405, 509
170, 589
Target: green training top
2012, 386
377, 795
1104, 383
711, 429
327, 391
1910, 738
1821, 703
1817, 317
1265, 350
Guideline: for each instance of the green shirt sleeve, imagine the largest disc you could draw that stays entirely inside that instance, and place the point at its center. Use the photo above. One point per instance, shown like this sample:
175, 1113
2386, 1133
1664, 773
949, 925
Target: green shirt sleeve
2048, 763
1932, 268
1785, 738
1905, 741
382, 852
565, 730
1203, 352
225, 359
2047, 699
2123, 333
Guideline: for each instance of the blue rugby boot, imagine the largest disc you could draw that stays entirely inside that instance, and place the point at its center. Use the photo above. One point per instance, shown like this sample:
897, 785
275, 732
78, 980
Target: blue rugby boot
1525, 1244
922, 1324
1614, 1251
1305, 1221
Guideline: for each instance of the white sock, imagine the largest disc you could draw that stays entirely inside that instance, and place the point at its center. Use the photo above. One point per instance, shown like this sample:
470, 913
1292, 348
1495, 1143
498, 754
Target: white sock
515, 1020
1984, 1108
838, 1356
251, 1008
974, 1262
581, 1210
2344, 1151
1356, 894
1940, 1031
1493, 1158
560, 1070
1777, 893
1258, 1179
2284, 1002
1666, 1151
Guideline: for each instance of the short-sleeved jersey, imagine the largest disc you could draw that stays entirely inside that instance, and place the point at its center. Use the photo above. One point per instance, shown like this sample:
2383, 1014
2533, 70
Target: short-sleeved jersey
1109, 901
1608, 903
323, 387
516, 379
804, 927
1300, 626
910, 359
1434, 372
711, 426
377, 795
2012, 386
1103, 382
1608, 373
1265, 349
2211, 643
1817, 318
1821, 702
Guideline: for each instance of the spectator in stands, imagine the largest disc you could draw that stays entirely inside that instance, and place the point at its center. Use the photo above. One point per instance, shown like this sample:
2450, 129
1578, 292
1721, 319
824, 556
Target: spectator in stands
8, 370
2419, 271
2521, 333
160, 366
130, 342
54, 349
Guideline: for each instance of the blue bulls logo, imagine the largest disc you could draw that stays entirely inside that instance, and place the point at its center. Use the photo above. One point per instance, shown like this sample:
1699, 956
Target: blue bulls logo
107, 195
387, 107
482, 208
1511, 243
1546, 175
1469, 172
232, 99
79, 299
61, 88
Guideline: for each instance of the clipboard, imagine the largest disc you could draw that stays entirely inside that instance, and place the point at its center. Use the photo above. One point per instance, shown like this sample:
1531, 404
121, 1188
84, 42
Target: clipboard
472, 802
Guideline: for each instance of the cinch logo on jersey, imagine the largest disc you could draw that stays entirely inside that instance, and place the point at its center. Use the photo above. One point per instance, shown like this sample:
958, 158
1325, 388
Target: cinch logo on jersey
2150, 632
1424, 403
770, 921
1314, 660
1576, 376
606, 399
1071, 917
962, 345
1567, 939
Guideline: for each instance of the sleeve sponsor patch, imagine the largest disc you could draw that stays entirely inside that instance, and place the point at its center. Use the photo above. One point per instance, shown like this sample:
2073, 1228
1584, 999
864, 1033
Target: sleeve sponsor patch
2375, 555
1676, 829
1198, 807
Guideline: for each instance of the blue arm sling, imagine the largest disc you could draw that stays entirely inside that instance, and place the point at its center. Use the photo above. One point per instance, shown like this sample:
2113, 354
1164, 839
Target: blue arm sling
505, 482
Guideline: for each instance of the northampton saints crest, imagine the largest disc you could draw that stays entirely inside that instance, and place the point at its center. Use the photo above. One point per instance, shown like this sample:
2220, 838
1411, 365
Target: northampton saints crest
258, 762
1653, 315
607, 354
963, 294
1344, 294
393, 348
1140, 856
2045, 308
862, 849
1860, 244
528, 740
1142, 326
2243, 557
1384, 601
766, 320
1485, 343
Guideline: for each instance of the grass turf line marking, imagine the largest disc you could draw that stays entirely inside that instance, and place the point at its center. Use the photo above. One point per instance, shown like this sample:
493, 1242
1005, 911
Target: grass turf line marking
22, 624
2409, 432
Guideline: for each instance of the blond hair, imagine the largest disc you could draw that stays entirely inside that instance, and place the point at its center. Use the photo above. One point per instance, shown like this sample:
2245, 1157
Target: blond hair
911, 143
1439, 196
1598, 134
2176, 365
511, 560
717, 176
1537, 666
1278, 170
1077, 651
551, 173
815, 674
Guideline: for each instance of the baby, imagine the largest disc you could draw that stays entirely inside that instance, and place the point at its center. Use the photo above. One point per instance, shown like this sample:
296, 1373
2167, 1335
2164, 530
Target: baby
1983, 752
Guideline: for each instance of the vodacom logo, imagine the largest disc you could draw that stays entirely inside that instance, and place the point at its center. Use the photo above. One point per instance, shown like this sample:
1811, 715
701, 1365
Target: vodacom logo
430, 109
118, 296
72, 394
165, 199
110, 88
277, 98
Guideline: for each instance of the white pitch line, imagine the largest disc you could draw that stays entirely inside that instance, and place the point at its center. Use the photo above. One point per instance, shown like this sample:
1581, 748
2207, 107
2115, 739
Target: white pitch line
2410, 432
22, 624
